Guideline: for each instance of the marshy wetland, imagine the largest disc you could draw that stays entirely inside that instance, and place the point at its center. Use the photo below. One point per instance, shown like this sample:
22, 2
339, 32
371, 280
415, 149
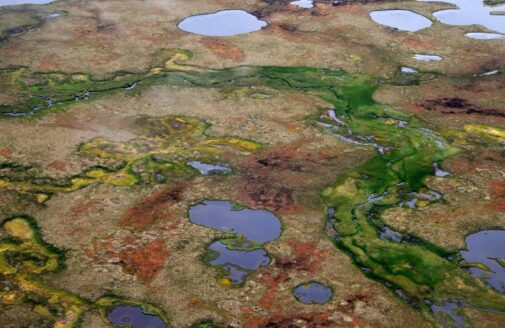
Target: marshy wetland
350, 176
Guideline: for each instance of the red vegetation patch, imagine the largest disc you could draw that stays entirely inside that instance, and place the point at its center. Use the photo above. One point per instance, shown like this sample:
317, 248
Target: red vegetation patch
50, 63
145, 261
498, 191
154, 207
57, 165
6, 152
305, 257
224, 49
272, 283
284, 320
286, 178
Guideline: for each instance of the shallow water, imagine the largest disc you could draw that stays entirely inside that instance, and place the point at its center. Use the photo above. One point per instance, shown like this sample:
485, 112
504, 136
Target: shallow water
409, 70
258, 225
451, 309
313, 293
487, 247
427, 58
306, 4
208, 169
403, 20
471, 12
134, 317
222, 23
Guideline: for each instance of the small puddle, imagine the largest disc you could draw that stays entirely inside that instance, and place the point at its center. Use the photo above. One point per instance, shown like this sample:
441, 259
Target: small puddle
487, 248
313, 293
402, 20
409, 70
24, 2
239, 256
134, 317
209, 169
485, 36
305, 4
222, 23
471, 12
427, 58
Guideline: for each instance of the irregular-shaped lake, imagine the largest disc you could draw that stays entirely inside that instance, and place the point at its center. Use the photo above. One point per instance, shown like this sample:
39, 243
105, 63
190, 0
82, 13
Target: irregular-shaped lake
487, 247
313, 293
134, 317
471, 12
257, 225
239, 256
23, 2
222, 23
403, 20
238, 263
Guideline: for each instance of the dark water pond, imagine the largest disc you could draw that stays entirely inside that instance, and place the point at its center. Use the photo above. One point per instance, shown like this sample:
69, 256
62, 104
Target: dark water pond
313, 293
209, 169
134, 317
257, 225
222, 23
488, 248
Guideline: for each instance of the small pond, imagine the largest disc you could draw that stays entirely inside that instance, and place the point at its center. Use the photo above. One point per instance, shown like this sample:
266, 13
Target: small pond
222, 23
209, 169
312, 293
134, 317
427, 58
403, 20
485, 36
488, 248
306, 4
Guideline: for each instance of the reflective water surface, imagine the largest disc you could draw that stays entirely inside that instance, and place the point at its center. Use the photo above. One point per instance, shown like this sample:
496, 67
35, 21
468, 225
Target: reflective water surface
222, 23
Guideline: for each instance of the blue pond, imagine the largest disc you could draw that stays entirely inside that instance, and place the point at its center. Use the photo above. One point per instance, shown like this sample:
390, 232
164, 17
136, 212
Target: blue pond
222, 23
487, 247
257, 225
134, 317
242, 254
239, 263
209, 169
313, 293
